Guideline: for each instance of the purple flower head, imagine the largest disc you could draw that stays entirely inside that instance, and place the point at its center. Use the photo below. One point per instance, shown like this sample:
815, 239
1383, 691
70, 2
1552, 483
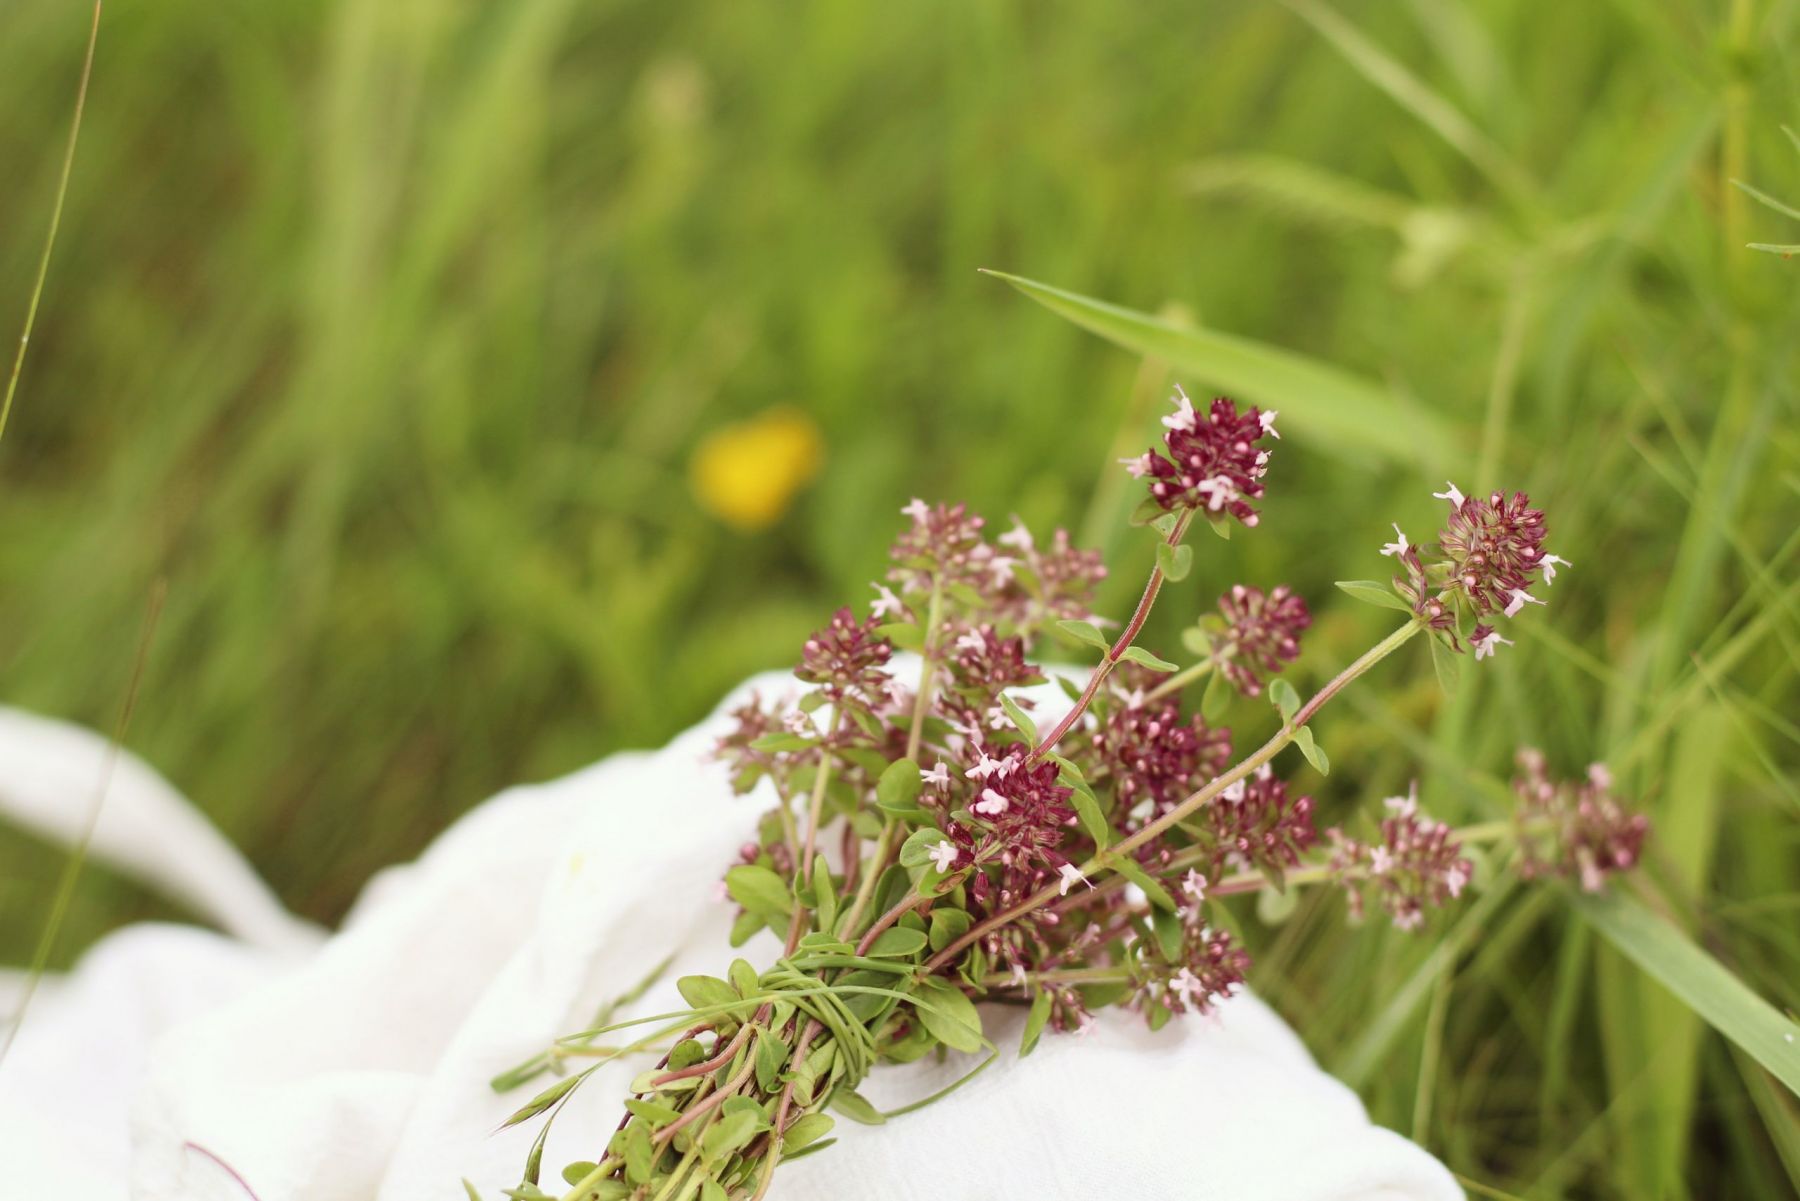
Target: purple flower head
1022, 810
1047, 583
943, 541
1210, 968
986, 664
847, 656
1255, 824
1152, 757
1213, 463
1493, 549
1576, 829
1415, 866
1486, 560
1261, 635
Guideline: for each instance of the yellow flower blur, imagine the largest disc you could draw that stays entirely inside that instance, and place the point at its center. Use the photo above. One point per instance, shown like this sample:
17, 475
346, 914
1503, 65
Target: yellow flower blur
746, 474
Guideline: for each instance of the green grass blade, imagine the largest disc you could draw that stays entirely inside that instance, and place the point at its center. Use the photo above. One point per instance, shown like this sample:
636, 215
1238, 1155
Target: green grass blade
56, 212
1418, 98
1719, 997
1324, 404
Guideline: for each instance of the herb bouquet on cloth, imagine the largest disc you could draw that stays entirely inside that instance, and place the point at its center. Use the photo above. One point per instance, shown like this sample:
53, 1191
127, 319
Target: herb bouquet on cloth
932, 844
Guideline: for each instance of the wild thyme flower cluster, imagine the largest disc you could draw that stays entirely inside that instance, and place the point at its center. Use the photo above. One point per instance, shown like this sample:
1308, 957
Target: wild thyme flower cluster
1212, 462
941, 831
1260, 636
1486, 560
1577, 829
1415, 865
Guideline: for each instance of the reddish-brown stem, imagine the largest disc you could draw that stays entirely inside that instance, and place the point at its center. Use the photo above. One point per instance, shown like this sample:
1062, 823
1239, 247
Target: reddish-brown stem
729, 1089
716, 1062
1116, 651
887, 919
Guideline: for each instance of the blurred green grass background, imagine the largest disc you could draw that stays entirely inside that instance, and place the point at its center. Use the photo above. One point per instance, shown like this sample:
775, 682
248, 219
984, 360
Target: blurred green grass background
387, 334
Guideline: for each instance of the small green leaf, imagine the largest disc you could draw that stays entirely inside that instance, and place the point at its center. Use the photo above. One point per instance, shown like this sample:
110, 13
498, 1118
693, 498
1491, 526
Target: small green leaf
856, 1107
1167, 926
687, 1052
1372, 592
1128, 867
1034, 1023
809, 1129
916, 850
759, 890
656, 1115
743, 978
771, 1057
1315, 754
949, 1015
1087, 809
1284, 698
745, 925
1275, 905
576, 1172
1026, 726
781, 740
1216, 699
1148, 510
898, 789
825, 902
730, 1132
706, 992
906, 635
1448, 665
712, 1190
966, 596
1221, 524
1175, 561
948, 925
1084, 631
1144, 658
897, 943
640, 1156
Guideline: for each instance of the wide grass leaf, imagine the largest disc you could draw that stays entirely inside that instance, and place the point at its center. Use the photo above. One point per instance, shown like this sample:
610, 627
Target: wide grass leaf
1719, 997
1320, 403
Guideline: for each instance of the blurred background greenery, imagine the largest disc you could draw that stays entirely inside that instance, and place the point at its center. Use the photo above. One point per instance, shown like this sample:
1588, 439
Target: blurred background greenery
494, 384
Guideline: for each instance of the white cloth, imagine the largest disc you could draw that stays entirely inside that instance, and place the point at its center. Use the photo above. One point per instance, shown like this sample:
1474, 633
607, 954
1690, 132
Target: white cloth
360, 1070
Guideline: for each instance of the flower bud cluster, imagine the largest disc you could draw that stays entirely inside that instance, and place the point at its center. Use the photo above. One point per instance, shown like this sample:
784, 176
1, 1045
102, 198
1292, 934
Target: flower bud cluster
1416, 865
1576, 829
1212, 463
847, 659
1209, 968
1487, 559
1261, 634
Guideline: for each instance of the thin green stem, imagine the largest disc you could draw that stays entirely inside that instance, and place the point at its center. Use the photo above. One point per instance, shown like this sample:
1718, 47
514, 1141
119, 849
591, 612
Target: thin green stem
865, 889
600, 1171
1071, 975
56, 212
1181, 679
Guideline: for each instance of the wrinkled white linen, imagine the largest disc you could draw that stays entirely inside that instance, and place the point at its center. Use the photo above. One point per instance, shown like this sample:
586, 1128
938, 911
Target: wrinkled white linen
359, 1069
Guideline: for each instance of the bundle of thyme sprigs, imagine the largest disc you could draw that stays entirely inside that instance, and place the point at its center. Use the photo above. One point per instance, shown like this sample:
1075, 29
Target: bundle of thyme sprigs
931, 846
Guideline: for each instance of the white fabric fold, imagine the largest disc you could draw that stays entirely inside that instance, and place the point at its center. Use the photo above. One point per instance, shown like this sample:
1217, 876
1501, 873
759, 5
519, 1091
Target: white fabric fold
361, 1070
